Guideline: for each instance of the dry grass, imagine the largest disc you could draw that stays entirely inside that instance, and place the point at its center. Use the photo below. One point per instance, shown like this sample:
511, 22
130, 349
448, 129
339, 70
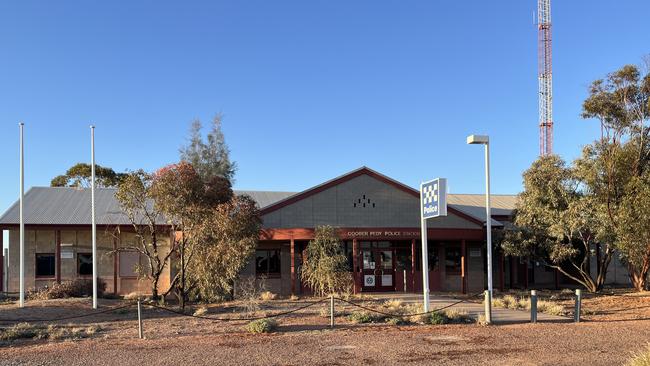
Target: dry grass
640, 359
52, 332
268, 296
132, 296
201, 311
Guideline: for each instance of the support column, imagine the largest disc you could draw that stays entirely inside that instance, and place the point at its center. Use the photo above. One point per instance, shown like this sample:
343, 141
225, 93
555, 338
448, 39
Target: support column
57, 236
2, 261
463, 266
355, 265
115, 255
512, 272
502, 272
412, 265
293, 267
526, 273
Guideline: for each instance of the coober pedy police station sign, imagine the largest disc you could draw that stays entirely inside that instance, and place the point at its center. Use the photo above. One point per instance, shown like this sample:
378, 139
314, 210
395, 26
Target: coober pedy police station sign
433, 198
433, 203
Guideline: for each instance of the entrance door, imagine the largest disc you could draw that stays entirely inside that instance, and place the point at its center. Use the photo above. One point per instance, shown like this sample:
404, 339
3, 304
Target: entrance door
378, 269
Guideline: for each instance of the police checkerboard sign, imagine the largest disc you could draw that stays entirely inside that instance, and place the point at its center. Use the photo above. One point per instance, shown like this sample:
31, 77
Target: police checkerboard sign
433, 197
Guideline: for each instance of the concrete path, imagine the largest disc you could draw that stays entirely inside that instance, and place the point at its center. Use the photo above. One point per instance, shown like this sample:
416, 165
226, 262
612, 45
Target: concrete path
474, 308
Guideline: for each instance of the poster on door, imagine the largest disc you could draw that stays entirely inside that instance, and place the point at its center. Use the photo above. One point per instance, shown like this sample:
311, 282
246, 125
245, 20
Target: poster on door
386, 280
369, 280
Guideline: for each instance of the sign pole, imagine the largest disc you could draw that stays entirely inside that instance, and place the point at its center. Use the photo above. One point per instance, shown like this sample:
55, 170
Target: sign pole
425, 258
22, 219
92, 214
488, 217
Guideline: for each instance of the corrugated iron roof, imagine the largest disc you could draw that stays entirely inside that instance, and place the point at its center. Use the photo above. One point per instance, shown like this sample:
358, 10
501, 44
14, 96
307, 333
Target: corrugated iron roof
71, 206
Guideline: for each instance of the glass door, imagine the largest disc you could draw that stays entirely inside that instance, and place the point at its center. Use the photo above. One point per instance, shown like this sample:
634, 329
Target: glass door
386, 274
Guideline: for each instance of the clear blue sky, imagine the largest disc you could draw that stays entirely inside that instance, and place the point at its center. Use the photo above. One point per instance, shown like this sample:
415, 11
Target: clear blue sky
308, 89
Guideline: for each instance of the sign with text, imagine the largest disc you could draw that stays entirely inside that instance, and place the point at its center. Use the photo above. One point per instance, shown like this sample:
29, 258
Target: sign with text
433, 198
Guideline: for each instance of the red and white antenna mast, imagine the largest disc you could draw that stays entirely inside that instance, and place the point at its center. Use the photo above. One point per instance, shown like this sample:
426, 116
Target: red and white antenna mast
545, 71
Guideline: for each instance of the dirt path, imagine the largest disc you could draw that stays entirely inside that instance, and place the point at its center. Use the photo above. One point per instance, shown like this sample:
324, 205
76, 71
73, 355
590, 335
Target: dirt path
541, 344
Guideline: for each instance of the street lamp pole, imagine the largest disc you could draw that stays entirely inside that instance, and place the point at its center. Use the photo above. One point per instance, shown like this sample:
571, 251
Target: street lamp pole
485, 140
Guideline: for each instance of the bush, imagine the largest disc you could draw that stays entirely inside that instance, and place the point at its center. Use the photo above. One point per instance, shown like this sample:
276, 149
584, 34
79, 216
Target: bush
262, 326
267, 296
549, 307
361, 317
437, 318
53, 332
66, 289
398, 321
458, 317
640, 359
20, 331
201, 311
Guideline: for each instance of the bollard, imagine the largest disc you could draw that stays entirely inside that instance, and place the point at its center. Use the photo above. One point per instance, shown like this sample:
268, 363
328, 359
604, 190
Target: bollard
331, 311
140, 334
576, 316
405, 281
533, 306
488, 307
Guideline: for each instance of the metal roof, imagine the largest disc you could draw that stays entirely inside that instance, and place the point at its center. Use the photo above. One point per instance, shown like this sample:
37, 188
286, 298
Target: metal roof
71, 206
66, 206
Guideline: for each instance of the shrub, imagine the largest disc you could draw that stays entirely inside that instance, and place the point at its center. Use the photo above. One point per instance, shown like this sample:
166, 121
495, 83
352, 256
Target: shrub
481, 320
458, 317
549, 307
361, 317
262, 326
20, 331
398, 321
66, 289
267, 296
437, 318
640, 359
326, 269
201, 311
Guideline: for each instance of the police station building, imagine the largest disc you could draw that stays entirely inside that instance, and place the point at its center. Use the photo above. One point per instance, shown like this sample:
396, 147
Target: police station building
377, 219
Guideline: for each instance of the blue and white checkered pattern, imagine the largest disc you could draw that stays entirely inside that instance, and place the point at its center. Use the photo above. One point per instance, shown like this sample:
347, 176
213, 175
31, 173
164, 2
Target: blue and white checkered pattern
432, 201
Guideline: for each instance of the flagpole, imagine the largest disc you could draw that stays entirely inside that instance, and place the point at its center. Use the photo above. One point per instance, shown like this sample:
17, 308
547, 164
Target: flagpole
22, 219
92, 214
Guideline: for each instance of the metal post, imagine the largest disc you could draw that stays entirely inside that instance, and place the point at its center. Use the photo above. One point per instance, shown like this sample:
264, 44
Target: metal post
331, 311
140, 332
5, 269
404, 280
22, 219
576, 316
425, 265
488, 307
92, 214
533, 306
488, 218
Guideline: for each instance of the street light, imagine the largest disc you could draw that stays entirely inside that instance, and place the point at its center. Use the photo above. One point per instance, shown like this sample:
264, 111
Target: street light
485, 140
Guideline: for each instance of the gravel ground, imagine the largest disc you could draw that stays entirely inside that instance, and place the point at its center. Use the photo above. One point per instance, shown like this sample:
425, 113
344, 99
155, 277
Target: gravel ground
304, 339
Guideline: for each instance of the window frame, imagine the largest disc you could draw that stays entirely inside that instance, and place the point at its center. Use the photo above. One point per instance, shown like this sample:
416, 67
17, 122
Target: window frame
454, 271
36, 275
91, 264
269, 254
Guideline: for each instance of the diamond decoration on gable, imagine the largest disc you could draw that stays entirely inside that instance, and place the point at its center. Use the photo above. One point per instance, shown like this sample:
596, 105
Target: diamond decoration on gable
363, 202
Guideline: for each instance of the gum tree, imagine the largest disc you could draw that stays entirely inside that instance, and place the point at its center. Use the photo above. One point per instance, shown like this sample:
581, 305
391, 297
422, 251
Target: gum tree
326, 269
558, 224
616, 168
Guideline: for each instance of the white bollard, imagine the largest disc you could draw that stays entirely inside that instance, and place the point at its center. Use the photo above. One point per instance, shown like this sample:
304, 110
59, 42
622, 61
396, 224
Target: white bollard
533, 306
488, 307
140, 333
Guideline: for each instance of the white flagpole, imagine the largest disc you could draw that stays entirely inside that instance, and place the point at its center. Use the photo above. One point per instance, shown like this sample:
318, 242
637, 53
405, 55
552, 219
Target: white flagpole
22, 219
92, 214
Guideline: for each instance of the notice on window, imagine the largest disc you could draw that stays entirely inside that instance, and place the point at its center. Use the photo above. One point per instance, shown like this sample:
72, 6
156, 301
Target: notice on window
476, 253
67, 253
387, 280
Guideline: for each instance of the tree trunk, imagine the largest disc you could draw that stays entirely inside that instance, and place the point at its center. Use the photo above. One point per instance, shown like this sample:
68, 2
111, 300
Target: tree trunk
639, 276
182, 286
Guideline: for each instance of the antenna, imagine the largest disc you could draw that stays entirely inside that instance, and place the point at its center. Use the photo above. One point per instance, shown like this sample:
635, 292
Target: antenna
545, 75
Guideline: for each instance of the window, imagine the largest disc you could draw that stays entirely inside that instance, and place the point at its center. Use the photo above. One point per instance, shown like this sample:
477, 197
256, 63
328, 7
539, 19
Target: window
85, 264
45, 265
267, 263
452, 260
129, 262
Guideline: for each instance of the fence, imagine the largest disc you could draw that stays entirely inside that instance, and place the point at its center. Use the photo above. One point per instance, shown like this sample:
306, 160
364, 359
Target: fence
303, 306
